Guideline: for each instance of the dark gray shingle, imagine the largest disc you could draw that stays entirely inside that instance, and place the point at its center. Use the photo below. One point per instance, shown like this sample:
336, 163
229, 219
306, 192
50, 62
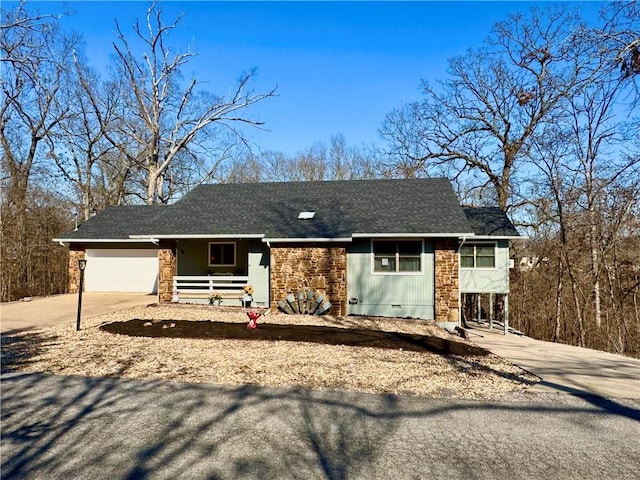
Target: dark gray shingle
342, 208
117, 223
490, 221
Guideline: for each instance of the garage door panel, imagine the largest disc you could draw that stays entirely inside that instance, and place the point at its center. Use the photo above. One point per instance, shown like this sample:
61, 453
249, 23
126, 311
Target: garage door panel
122, 270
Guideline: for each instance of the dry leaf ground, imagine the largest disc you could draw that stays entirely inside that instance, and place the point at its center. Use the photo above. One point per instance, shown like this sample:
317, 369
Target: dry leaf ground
94, 352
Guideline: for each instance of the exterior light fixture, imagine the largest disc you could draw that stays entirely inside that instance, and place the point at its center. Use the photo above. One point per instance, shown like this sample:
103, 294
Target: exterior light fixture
82, 265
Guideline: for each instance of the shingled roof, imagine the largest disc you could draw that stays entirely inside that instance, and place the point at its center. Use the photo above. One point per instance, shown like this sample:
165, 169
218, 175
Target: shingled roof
341, 209
490, 221
117, 223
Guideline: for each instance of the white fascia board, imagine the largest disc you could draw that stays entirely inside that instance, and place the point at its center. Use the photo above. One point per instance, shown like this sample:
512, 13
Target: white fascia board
412, 235
104, 240
199, 235
498, 237
306, 239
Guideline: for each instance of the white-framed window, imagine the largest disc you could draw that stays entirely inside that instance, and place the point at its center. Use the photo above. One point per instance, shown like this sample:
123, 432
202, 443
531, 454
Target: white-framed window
397, 256
222, 254
478, 255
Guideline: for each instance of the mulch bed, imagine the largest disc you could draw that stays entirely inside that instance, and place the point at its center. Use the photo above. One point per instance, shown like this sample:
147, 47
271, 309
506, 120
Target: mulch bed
293, 333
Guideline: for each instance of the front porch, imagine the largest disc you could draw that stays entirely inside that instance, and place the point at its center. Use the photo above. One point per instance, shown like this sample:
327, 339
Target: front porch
192, 269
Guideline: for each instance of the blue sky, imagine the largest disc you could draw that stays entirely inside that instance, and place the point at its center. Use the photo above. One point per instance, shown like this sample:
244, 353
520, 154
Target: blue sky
339, 66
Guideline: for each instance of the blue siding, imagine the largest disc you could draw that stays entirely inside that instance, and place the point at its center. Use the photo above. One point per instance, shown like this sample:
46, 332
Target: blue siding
259, 272
393, 295
488, 280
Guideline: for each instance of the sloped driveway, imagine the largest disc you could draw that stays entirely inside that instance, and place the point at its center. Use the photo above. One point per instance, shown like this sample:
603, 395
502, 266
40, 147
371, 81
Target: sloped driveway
58, 309
565, 368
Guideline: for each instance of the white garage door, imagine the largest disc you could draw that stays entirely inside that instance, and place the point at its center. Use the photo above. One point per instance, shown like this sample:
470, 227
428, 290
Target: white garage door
120, 270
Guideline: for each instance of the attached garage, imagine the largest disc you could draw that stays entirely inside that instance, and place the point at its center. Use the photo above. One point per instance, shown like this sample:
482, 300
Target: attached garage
122, 270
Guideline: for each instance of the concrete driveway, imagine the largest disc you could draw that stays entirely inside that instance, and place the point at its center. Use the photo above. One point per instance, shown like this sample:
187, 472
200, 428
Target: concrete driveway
58, 309
565, 368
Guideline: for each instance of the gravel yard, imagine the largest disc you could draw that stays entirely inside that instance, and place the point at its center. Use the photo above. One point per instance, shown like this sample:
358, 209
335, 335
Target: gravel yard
212, 345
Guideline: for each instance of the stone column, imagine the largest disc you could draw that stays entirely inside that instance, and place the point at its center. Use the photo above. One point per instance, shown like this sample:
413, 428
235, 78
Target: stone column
447, 280
167, 268
75, 254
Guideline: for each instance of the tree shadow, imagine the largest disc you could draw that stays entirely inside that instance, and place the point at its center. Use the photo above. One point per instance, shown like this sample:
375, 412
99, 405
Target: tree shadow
76, 427
71, 427
18, 347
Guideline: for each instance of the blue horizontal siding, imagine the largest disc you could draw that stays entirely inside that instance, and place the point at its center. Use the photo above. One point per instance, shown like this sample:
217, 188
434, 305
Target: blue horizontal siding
392, 295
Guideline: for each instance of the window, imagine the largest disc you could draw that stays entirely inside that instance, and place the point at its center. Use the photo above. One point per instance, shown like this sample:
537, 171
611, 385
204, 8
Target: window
397, 256
478, 255
222, 254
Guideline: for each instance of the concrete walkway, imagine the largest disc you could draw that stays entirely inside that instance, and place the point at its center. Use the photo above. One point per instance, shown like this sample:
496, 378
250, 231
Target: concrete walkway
564, 368
58, 309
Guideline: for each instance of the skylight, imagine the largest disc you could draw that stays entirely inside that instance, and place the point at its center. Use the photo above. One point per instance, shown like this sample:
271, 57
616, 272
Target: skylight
306, 215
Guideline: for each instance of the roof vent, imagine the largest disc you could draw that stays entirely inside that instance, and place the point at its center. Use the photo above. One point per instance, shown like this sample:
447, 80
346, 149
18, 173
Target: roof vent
306, 215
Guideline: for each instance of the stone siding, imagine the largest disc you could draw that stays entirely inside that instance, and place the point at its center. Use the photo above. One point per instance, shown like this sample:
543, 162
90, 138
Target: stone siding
447, 280
303, 266
75, 254
167, 268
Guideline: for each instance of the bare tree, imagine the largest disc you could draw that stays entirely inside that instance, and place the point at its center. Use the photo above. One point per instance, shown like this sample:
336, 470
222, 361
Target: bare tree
36, 61
587, 166
35, 64
620, 39
482, 119
171, 115
85, 146
335, 161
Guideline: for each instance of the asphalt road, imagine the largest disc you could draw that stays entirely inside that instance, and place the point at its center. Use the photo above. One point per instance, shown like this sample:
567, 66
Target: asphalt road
81, 428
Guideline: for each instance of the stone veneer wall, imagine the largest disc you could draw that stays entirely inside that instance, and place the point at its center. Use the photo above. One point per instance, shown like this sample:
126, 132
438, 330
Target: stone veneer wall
323, 268
75, 254
447, 280
167, 268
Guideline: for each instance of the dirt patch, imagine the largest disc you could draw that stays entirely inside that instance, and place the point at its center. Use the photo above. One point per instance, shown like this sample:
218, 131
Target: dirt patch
350, 337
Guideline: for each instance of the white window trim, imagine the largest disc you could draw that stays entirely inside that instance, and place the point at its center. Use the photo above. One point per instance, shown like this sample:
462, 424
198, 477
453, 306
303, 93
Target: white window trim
235, 254
475, 269
373, 257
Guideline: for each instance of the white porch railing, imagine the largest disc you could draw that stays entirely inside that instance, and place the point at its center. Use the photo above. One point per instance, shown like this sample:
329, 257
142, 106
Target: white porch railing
201, 286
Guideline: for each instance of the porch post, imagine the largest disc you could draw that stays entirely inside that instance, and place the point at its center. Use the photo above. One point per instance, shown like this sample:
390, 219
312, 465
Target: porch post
167, 269
506, 313
491, 311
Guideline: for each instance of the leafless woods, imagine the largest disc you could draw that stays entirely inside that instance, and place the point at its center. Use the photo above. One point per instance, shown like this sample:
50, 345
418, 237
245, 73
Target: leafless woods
541, 119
